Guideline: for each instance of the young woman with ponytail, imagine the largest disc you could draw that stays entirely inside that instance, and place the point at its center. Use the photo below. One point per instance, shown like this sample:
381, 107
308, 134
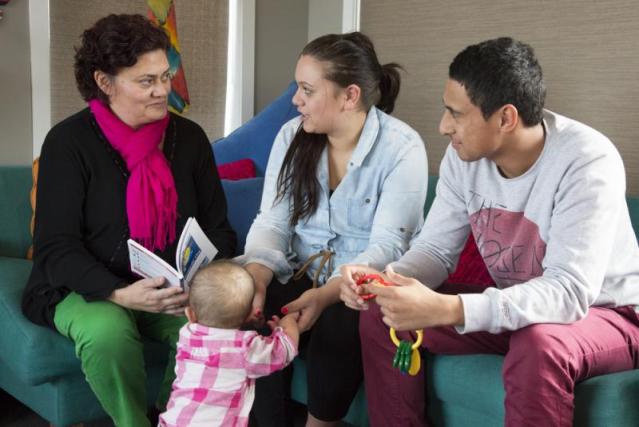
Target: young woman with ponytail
345, 183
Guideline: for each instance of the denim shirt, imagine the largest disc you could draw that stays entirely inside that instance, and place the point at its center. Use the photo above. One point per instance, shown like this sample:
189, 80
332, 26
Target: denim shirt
371, 216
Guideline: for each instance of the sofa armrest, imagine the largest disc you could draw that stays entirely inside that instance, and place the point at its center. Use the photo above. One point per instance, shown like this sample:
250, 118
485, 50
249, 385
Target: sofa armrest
34, 353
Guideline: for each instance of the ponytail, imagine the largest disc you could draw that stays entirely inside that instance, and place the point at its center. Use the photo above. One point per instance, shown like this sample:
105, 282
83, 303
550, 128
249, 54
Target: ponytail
389, 85
351, 59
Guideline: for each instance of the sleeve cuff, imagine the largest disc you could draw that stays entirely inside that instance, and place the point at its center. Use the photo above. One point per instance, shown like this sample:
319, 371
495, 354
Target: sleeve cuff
477, 313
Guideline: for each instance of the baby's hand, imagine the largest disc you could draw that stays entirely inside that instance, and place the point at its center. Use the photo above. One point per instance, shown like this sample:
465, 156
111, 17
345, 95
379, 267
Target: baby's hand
290, 320
289, 326
273, 323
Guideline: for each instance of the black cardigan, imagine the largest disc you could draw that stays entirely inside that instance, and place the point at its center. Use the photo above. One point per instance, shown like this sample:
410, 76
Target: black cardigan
81, 225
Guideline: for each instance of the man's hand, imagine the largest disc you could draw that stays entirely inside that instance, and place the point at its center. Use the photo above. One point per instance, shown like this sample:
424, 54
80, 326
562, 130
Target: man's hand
147, 295
409, 305
350, 292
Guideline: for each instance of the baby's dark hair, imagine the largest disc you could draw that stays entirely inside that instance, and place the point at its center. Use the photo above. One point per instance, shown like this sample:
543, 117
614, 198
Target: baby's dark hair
221, 295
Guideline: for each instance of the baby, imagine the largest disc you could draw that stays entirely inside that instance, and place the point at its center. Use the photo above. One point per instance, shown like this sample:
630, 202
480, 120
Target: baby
216, 363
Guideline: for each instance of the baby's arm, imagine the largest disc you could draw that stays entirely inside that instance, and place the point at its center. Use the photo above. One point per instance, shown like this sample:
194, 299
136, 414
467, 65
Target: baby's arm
269, 354
288, 323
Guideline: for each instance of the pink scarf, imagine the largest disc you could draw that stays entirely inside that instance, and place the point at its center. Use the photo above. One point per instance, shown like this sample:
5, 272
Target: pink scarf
151, 199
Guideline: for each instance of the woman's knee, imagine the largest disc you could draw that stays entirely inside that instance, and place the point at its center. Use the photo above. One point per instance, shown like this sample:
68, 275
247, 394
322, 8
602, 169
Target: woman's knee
115, 336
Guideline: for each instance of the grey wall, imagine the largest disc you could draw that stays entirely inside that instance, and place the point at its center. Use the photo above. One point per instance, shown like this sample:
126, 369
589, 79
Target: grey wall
281, 31
16, 134
324, 17
202, 34
589, 52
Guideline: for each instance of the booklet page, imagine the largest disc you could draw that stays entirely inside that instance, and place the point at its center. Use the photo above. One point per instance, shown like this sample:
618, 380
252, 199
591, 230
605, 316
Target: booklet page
146, 264
194, 250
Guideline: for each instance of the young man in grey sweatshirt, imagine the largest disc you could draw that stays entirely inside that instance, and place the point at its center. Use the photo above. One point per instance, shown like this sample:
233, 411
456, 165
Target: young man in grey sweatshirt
544, 197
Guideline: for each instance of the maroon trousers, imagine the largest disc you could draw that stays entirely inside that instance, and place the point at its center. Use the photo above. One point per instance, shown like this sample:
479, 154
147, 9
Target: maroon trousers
542, 364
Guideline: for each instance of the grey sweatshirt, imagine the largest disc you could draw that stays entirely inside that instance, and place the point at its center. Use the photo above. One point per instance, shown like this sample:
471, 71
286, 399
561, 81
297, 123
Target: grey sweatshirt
556, 240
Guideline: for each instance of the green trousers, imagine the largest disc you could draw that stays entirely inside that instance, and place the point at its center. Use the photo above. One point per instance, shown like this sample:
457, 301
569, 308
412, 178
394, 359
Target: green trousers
108, 342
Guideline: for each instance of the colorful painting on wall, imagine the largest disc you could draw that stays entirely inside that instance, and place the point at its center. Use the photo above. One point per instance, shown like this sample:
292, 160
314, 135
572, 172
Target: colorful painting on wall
162, 12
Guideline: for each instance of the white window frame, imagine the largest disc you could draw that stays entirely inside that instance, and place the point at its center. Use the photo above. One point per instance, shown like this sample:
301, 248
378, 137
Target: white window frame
40, 45
240, 71
350, 15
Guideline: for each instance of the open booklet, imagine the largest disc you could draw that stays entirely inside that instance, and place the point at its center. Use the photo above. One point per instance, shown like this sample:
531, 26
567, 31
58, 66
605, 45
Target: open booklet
194, 250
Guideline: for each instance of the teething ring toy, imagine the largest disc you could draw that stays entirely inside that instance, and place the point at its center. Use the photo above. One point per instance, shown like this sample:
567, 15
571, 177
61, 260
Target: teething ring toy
368, 279
416, 344
407, 358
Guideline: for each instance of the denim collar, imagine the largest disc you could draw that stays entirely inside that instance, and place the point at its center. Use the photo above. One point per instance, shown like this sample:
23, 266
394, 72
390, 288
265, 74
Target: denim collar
367, 138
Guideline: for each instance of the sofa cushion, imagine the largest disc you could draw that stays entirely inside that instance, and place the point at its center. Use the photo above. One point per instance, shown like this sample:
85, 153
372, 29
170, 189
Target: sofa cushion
472, 382
471, 268
611, 400
239, 169
243, 199
15, 210
254, 138
469, 390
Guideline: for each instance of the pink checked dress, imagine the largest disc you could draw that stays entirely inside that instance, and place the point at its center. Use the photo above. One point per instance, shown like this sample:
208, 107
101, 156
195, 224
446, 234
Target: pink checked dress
216, 371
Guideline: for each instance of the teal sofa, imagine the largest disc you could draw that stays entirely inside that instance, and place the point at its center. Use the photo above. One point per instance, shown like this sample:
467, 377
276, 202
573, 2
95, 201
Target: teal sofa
39, 367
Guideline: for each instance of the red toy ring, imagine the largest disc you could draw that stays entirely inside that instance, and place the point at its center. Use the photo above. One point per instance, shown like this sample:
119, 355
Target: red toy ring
371, 278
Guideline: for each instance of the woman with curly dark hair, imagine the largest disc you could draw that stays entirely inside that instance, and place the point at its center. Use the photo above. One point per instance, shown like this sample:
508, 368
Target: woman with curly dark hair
122, 168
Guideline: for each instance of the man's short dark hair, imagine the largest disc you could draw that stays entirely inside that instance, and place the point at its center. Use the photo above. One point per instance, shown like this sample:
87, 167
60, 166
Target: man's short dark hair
502, 71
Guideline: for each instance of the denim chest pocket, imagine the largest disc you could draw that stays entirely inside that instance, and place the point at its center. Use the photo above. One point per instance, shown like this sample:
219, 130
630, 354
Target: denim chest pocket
361, 212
